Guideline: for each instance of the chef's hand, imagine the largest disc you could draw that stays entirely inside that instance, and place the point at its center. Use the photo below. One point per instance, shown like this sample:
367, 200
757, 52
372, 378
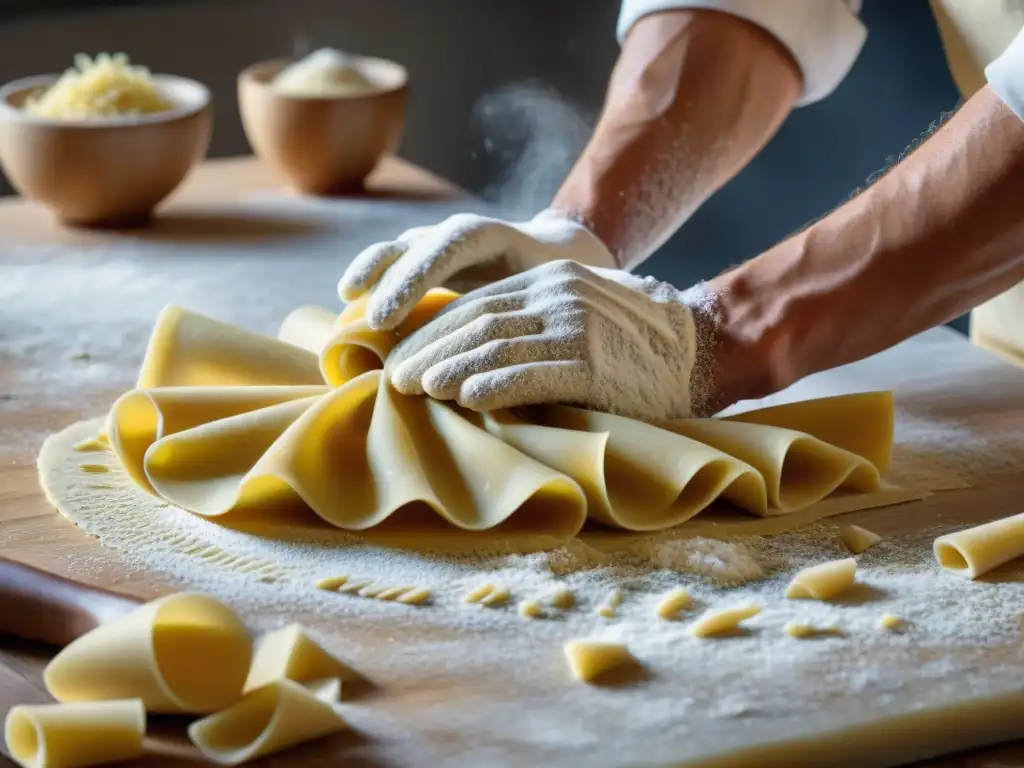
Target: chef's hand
560, 333
398, 273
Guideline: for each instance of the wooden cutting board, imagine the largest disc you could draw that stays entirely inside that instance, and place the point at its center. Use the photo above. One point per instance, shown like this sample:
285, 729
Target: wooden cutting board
75, 312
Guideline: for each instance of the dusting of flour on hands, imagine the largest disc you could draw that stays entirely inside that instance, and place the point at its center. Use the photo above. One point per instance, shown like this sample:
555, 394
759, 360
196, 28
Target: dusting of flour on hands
399, 272
704, 311
561, 333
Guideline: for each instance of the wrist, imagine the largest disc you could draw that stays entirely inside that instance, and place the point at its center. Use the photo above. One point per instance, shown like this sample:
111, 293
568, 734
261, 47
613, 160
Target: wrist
758, 324
808, 304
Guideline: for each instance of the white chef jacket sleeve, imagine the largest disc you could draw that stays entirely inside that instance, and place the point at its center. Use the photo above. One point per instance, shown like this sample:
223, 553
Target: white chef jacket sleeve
823, 36
1005, 75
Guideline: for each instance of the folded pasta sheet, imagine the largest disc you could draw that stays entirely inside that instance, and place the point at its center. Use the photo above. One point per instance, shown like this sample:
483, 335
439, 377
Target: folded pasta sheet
226, 421
269, 719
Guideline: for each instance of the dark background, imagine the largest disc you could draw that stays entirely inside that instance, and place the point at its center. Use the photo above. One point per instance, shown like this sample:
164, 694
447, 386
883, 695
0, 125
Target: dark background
473, 120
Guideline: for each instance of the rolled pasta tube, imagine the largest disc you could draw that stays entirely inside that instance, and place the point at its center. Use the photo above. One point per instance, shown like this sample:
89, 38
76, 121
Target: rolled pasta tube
70, 735
974, 552
183, 653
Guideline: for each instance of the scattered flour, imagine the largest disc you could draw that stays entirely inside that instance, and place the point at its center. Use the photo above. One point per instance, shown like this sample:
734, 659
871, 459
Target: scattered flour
899, 575
67, 347
961, 638
723, 563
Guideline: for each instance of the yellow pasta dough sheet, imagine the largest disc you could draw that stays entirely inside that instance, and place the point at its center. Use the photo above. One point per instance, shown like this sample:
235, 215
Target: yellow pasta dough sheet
304, 430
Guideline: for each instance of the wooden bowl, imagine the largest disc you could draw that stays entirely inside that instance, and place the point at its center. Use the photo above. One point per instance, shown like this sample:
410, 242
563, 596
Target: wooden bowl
323, 144
103, 171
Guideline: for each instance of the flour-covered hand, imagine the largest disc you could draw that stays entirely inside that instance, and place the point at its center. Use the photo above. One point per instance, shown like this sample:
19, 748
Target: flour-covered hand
560, 333
398, 273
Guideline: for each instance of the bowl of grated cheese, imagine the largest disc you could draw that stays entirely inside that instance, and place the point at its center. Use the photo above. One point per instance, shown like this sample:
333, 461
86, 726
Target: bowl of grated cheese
324, 121
105, 142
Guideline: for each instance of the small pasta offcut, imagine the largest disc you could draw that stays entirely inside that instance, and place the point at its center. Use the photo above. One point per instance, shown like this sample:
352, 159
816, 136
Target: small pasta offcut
824, 581
589, 660
723, 620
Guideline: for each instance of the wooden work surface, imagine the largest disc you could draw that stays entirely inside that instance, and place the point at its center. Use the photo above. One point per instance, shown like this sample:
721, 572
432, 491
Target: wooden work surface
228, 233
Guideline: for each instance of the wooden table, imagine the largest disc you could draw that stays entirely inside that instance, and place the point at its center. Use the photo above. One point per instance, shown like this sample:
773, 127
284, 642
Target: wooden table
32, 533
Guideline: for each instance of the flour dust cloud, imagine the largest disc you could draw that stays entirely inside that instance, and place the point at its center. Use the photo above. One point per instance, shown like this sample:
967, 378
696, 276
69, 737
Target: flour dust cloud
534, 136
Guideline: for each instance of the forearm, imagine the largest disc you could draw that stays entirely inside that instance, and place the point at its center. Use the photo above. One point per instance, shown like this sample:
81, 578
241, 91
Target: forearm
939, 234
693, 97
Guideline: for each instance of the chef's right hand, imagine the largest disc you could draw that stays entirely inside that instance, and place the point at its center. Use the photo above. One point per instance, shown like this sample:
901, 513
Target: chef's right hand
398, 273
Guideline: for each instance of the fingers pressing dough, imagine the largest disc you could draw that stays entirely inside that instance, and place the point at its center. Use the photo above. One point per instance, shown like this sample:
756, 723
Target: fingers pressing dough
226, 421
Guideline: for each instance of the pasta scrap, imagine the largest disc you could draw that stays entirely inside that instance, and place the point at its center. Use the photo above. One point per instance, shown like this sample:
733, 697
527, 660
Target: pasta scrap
722, 621
589, 660
674, 601
489, 594
823, 581
858, 539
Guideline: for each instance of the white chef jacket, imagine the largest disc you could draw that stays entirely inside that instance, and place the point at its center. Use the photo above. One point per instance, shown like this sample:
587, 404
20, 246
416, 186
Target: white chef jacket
983, 40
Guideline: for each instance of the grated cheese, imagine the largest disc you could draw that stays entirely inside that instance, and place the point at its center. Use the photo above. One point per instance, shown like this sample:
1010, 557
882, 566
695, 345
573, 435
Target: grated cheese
107, 86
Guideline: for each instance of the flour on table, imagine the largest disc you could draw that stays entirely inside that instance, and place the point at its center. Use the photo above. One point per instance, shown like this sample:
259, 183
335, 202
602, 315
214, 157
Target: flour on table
578, 578
692, 680
250, 263
721, 562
